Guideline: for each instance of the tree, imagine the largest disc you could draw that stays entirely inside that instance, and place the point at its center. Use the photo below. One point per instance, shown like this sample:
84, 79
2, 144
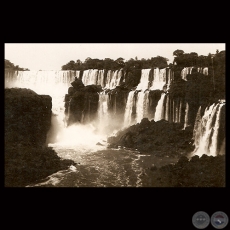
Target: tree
69, 66
159, 61
107, 63
178, 53
120, 62
9, 65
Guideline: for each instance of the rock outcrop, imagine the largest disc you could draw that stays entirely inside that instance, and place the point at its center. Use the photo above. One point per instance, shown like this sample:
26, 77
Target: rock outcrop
27, 121
27, 117
206, 171
159, 138
81, 102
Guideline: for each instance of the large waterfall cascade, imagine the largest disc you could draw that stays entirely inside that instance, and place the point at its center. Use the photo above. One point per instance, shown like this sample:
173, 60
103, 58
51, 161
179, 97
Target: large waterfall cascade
56, 84
206, 131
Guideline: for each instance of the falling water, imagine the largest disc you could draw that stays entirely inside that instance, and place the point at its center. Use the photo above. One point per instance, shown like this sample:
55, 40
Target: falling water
206, 133
90, 77
142, 105
169, 77
185, 71
144, 81
159, 108
103, 114
108, 79
167, 108
159, 79
100, 79
186, 124
113, 79
129, 109
213, 146
53, 83
78, 74
96, 167
205, 71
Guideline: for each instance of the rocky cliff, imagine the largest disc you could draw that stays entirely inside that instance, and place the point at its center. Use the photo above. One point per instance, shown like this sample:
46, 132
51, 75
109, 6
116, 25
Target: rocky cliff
27, 121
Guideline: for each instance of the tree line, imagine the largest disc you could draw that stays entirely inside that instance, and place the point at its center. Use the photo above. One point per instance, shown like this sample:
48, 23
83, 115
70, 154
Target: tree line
110, 64
11, 66
181, 59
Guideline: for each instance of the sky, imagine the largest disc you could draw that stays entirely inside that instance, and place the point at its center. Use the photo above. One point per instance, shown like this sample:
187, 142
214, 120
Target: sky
52, 56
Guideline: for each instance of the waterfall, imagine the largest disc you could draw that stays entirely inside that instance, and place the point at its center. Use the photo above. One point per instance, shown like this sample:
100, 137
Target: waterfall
144, 81
138, 105
185, 71
159, 79
10, 78
90, 77
129, 109
207, 130
186, 124
142, 105
78, 74
108, 79
53, 83
113, 79
188, 70
169, 77
100, 78
103, 114
118, 77
159, 108
167, 108
180, 111
205, 71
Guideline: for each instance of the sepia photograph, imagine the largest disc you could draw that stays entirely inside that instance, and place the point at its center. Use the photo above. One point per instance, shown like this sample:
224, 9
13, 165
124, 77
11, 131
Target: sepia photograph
114, 115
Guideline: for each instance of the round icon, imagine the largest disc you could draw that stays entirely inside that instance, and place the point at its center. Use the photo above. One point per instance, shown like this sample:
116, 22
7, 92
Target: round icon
219, 220
200, 220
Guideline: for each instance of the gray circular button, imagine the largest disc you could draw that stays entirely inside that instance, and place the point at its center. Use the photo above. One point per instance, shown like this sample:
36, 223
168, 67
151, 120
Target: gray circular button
219, 220
200, 220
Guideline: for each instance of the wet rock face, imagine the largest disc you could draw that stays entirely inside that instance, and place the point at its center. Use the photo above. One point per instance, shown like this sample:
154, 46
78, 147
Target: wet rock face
154, 97
132, 78
81, 102
27, 121
27, 116
152, 137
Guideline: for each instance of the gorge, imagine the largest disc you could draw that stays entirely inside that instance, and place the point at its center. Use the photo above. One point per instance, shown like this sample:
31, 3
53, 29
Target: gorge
134, 125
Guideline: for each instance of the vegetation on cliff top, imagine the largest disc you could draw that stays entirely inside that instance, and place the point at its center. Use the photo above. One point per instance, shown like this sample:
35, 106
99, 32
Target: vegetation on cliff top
10, 66
181, 59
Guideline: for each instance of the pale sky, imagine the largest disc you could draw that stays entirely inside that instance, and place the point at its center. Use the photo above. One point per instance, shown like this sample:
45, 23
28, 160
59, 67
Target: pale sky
52, 56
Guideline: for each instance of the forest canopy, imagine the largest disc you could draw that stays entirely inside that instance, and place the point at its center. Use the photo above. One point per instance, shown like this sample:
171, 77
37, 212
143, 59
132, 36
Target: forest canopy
119, 63
181, 59
10, 66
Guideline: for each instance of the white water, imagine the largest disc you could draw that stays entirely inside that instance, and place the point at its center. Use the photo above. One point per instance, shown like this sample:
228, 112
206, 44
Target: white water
110, 74
185, 71
205, 135
103, 113
159, 108
169, 78
186, 116
159, 79
90, 77
142, 106
79, 142
53, 83
113, 79
100, 79
144, 81
128, 109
